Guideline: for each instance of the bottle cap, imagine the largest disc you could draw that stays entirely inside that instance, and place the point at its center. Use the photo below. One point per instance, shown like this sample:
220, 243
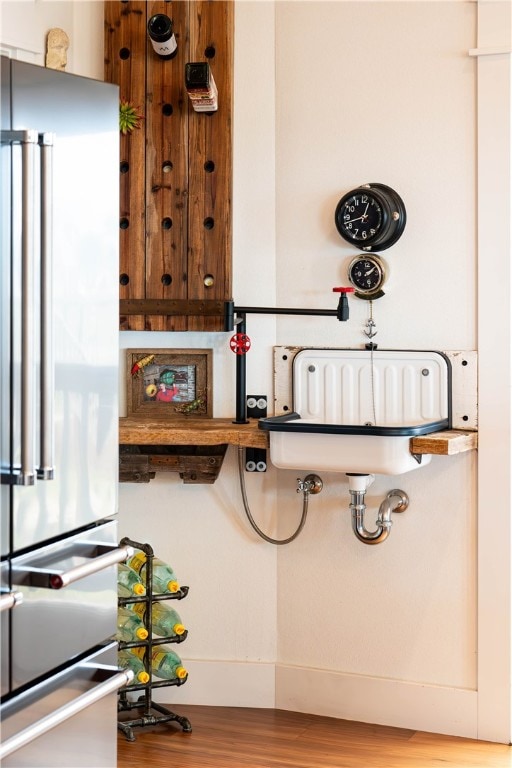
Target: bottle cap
141, 633
139, 589
143, 677
181, 673
173, 586
178, 629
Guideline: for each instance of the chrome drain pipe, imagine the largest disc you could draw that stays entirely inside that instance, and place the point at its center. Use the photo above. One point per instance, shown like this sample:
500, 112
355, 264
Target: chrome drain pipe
383, 522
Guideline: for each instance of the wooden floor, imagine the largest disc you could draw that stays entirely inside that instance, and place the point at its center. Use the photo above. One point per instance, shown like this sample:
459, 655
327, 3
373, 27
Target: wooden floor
230, 737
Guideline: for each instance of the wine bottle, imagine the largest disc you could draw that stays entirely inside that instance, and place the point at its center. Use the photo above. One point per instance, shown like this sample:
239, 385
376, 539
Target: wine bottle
161, 34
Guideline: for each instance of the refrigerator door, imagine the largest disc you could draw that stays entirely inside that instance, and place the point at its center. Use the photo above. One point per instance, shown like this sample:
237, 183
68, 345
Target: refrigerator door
69, 719
69, 600
5, 302
8, 601
76, 216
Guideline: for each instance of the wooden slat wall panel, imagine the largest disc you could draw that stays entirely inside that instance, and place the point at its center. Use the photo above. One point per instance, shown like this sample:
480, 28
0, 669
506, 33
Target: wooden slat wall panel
210, 139
188, 194
125, 36
167, 193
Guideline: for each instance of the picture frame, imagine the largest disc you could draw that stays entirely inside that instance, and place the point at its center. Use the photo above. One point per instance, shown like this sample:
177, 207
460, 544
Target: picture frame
169, 383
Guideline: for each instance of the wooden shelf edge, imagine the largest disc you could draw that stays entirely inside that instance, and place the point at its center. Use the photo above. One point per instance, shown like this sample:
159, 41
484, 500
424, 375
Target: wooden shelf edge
446, 443
192, 431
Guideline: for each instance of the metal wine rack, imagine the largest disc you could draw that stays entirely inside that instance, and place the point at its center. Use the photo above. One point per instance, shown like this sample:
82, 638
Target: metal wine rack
149, 711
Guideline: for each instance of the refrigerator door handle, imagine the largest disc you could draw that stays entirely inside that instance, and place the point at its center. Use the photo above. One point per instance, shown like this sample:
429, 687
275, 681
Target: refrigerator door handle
45, 470
34, 731
28, 140
27, 473
53, 578
10, 600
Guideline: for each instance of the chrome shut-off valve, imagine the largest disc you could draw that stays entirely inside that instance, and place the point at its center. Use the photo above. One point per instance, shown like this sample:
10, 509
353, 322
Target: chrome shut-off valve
311, 484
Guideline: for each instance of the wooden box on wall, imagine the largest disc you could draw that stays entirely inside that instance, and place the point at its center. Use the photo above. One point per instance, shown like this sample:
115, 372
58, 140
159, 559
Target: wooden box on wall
175, 168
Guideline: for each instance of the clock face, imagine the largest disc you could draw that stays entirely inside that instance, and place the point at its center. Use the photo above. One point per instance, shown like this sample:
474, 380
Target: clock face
360, 217
372, 217
366, 274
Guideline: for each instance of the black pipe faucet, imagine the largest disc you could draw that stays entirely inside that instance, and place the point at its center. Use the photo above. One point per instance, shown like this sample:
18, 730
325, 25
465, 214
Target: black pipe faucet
342, 312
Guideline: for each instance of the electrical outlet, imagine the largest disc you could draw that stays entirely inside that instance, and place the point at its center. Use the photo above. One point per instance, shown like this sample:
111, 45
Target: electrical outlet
255, 460
256, 406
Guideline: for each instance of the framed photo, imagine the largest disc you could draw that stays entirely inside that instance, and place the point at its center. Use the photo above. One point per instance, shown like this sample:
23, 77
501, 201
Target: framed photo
172, 383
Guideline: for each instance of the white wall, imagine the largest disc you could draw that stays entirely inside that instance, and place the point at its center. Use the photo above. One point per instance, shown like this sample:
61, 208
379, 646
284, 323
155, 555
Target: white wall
361, 91
494, 333
382, 92
24, 25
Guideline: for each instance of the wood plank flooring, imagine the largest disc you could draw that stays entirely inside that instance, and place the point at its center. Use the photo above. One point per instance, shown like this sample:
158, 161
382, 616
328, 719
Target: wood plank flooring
232, 737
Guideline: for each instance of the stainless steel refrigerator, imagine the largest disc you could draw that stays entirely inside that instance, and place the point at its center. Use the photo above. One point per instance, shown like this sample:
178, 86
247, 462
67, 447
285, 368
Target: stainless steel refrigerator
58, 418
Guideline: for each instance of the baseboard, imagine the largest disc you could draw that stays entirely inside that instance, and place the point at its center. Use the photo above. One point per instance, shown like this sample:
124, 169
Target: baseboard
437, 709
223, 684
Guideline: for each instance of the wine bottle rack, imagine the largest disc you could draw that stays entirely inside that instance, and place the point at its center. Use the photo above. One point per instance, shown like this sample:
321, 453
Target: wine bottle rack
149, 712
175, 214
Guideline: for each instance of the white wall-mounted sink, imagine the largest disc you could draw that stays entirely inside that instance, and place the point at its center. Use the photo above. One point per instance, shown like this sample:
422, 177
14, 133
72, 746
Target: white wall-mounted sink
355, 410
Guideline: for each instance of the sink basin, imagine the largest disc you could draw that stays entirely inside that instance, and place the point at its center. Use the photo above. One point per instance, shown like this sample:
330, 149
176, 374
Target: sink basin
355, 410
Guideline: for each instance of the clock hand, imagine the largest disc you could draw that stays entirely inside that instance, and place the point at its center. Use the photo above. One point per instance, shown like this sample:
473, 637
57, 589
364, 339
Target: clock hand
370, 271
351, 220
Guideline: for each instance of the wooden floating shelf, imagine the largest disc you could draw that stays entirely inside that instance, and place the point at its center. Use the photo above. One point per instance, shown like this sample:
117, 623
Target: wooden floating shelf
195, 447
446, 443
190, 431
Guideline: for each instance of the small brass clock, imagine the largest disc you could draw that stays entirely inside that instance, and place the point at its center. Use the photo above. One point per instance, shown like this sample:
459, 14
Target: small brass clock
367, 274
372, 217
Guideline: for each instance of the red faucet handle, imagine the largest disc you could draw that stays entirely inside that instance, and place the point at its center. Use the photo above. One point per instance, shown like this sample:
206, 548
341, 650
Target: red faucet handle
342, 289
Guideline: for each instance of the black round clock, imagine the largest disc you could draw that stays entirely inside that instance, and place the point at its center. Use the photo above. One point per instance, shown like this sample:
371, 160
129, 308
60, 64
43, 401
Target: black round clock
367, 274
372, 217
